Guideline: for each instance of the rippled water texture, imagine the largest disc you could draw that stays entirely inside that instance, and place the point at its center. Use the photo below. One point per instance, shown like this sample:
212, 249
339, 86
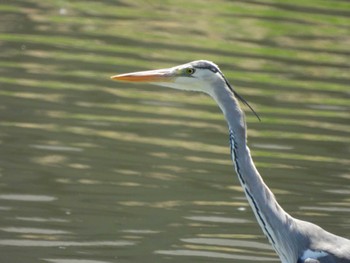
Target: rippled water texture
95, 171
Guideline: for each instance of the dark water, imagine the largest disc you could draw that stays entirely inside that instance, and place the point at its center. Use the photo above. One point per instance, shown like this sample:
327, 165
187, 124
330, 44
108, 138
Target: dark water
97, 171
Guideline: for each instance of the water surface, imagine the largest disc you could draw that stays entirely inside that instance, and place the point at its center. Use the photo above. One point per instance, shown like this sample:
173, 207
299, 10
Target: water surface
98, 171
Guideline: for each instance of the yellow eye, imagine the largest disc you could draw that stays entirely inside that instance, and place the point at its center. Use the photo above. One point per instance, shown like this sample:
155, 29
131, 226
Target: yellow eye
190, 71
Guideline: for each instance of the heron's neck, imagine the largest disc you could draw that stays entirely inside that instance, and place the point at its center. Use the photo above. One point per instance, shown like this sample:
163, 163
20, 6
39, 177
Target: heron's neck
271, 217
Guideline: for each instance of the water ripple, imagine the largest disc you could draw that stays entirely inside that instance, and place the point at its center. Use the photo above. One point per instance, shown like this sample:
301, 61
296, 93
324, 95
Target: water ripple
26, 230
227, 242
217, 219
27, 198
74, 260
40, 219
57, 148
50, 243
209, 254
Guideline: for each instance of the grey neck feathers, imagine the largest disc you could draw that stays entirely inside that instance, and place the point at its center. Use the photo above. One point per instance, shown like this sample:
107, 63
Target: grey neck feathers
270, 216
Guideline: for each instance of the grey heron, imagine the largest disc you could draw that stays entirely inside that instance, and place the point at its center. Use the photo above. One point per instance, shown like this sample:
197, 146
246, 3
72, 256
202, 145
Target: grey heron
294, 240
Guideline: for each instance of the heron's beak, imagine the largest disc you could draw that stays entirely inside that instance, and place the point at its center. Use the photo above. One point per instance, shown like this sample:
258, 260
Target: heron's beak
159, 75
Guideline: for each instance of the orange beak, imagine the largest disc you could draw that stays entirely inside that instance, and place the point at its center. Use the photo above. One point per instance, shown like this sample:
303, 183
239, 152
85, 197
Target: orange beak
159, 75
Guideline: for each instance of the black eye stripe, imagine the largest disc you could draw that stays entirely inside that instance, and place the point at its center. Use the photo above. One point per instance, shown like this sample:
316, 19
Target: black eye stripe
212, 69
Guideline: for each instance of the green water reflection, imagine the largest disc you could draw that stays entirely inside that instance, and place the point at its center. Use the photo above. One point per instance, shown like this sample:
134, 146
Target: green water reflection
101, 171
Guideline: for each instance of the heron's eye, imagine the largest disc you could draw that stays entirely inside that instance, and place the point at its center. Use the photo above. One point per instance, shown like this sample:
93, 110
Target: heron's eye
190, 71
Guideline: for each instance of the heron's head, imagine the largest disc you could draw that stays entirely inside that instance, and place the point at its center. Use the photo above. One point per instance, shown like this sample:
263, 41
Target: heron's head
195, 76
200, 75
